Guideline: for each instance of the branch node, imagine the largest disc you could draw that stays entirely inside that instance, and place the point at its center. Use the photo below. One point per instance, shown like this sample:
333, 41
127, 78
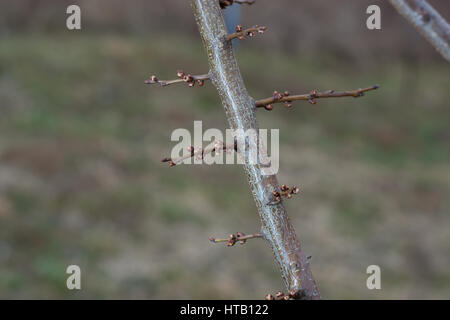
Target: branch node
292, 295
238, 237
285, 192
241, 33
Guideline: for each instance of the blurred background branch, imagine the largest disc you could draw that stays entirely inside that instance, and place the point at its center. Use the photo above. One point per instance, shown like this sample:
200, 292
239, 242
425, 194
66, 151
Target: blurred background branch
428, 22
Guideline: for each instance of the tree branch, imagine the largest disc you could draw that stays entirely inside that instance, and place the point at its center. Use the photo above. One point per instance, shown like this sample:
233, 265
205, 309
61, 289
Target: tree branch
189, 79
428, 22
250, 32
240, 112
310, 97
238, 237
201, 152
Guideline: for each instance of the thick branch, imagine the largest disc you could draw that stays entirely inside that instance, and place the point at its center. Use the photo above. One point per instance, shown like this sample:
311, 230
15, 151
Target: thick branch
240, 112
428, 22
310, 97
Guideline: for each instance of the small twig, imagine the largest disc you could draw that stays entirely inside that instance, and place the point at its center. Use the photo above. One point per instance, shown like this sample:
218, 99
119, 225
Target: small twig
225, 3
191, 80
285, 192
201, 152
238, 237
250, 32
311, 97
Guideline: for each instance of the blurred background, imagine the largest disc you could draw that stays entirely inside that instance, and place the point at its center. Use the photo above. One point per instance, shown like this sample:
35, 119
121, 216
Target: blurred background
81, 138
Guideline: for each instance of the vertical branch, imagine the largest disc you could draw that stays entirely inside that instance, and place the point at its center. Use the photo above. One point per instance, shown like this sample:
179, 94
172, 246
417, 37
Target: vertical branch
428, 22
240, 112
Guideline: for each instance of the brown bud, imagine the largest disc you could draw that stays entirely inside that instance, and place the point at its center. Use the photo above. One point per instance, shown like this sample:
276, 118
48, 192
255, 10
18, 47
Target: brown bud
239, 28
293, 294
279, 295
240, 235
269, 297
312, 101
200, 83
268, 107
153, 78
287, 93
180, 74
277, 96
232, 241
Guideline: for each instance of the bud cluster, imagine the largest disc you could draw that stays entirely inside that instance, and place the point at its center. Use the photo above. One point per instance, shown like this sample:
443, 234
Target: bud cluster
285, 192
292, 295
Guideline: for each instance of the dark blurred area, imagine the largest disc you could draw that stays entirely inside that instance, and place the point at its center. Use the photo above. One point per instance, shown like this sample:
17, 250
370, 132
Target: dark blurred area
81, 140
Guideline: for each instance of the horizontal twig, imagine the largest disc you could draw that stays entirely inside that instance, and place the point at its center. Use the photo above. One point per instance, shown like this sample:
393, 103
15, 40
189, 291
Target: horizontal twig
189, 79
238, 237
241, 33
311, 97
201, 152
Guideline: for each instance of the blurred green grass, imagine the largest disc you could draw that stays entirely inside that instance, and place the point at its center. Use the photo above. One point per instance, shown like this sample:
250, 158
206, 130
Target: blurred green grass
81, 182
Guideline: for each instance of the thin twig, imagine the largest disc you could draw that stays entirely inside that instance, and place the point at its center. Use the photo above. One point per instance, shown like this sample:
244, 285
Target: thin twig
191, 80
201, 152
310, 97
238, 237
250, 32
428, 22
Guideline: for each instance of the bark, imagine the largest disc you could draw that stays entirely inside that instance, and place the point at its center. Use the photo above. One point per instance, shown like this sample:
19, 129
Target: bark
240, 112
